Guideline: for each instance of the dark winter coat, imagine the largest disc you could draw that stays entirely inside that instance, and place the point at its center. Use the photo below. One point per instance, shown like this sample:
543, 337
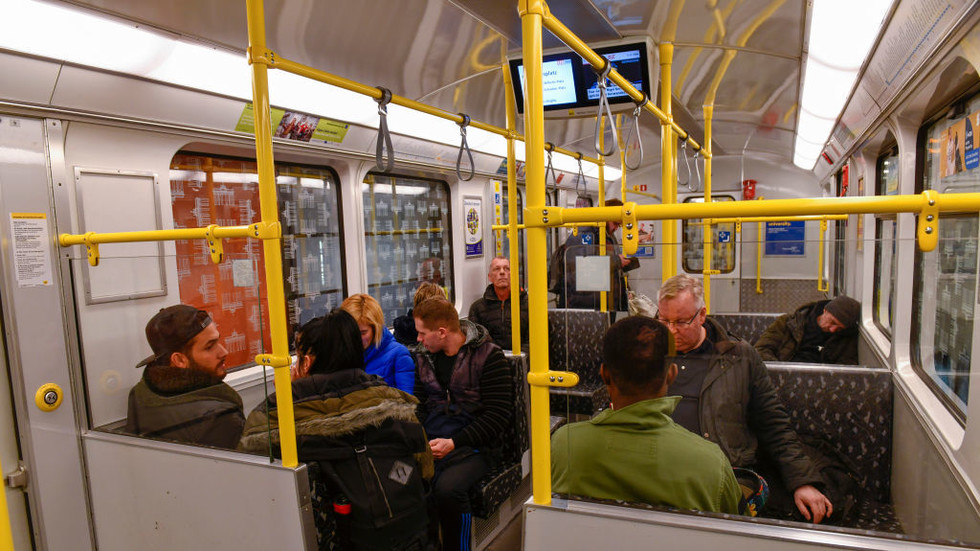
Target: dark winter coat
185, 405
739, 410
780, 340
338, 405
494, 314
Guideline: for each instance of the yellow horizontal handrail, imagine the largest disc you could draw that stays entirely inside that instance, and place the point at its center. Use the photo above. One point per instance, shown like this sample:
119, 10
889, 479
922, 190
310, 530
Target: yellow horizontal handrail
67, 239
502, 227
277, 62
598, 63
747, 219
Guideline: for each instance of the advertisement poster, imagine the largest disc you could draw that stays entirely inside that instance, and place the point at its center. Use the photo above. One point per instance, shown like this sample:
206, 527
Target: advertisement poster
473, 213
296, 126
645, 248
786, 238
958, 149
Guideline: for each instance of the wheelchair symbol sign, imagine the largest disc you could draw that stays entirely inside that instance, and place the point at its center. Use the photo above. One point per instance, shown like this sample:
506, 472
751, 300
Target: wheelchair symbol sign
724, 237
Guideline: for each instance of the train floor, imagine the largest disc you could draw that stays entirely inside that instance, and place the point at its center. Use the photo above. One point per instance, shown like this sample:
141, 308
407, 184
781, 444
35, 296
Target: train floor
509, 539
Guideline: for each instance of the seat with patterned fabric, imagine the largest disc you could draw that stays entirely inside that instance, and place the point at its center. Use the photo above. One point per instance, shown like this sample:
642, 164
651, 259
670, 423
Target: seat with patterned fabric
575, 344
497, 485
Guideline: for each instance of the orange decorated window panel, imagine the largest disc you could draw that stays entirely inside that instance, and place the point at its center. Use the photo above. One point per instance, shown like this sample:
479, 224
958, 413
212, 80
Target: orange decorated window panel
217, 190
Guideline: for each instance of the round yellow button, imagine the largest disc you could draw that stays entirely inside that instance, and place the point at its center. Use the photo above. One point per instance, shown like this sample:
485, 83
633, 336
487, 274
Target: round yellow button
48, 397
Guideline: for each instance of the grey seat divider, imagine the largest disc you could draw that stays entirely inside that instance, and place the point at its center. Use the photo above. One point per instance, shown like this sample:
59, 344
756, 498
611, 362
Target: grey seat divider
153, 495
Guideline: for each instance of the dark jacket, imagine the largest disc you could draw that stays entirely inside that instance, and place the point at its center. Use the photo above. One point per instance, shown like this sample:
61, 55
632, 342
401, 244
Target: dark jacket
780, 340
337, 405
185, 405
586, 244
739, 410
494, 314
488, 396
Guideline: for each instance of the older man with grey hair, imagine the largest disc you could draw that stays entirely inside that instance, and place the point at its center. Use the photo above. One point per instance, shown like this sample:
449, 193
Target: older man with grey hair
728, 398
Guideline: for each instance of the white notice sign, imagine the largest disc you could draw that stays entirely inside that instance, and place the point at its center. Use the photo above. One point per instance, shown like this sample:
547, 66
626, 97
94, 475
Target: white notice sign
29, 236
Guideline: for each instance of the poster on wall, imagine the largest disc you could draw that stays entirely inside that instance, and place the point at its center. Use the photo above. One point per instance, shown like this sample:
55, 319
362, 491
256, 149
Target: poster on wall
645, 248
473, 214
958, 149
786, 238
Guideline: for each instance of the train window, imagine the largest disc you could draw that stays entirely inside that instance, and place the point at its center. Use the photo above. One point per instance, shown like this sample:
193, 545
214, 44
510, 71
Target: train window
886, 261
501, 241
944, 295
723, 242
408, 239
216, 190
840, 248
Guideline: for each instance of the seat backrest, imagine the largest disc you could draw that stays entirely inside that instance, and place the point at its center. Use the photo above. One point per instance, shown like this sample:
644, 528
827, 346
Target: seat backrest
575, 342
848, 407
517, 440
748, 327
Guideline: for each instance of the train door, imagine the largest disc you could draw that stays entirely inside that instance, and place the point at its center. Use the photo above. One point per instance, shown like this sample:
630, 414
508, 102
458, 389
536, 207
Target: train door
36, 340
14, 475
725, 269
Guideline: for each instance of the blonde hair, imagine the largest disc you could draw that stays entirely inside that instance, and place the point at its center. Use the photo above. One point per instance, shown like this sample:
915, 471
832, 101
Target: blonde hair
365, 309
437, 312
426, 291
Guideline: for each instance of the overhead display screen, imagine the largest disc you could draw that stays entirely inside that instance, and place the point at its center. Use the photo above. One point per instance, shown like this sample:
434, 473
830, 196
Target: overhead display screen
569, 83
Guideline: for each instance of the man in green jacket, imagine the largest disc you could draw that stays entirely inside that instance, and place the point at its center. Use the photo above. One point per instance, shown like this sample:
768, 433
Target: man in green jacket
634, 451
819, 332
181, 396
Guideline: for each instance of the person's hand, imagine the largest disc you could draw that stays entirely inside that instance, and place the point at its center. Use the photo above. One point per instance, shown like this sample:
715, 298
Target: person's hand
623, 261
812, 504
441, 447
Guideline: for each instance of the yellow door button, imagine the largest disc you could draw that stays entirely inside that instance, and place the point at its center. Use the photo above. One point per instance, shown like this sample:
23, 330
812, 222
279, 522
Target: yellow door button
48, 397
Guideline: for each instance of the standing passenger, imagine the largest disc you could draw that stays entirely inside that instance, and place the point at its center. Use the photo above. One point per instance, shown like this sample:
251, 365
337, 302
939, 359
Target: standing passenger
467, 397
634, 451
181, 395
492, 310
382, 355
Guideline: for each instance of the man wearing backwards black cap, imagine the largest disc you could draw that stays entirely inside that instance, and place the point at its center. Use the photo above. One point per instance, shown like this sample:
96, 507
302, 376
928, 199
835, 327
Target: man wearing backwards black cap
181, 396
819, 332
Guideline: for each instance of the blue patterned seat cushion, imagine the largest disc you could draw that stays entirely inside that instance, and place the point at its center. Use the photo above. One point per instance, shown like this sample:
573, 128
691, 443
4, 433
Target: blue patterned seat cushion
575, 344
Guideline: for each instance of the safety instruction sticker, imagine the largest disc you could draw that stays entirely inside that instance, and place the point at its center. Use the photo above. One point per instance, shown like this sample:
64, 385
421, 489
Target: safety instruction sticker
29, 236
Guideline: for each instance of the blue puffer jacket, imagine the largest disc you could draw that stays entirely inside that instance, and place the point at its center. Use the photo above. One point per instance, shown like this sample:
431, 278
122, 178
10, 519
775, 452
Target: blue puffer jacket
392, 362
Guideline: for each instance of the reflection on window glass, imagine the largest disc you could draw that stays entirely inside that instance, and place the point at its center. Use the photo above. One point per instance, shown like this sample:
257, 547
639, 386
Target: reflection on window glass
722, 242
501, 215
213, 190
407, 238
946, 278
883, 310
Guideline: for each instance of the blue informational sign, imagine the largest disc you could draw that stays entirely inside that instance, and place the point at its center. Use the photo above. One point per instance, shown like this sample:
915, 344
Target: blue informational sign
786, 238
724, 237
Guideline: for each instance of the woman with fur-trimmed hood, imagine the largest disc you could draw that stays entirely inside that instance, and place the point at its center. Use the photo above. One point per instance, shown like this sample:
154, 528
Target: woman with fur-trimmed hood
337, 404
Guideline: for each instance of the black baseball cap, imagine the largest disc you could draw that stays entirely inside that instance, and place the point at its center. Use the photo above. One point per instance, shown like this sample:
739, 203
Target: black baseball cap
171, 328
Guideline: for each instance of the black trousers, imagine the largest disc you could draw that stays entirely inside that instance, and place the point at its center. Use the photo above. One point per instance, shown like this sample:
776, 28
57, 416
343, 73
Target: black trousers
451, 496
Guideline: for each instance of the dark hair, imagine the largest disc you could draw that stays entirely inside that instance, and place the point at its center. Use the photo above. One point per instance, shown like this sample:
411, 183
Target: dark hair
633, 353
334, 341
436, 313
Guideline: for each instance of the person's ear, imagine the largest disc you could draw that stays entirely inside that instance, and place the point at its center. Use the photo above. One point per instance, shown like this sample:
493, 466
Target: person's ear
671, 374
179, 359
604, 375
305, 363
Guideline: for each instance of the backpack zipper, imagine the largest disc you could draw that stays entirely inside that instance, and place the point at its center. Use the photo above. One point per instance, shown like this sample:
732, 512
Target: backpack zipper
381, 487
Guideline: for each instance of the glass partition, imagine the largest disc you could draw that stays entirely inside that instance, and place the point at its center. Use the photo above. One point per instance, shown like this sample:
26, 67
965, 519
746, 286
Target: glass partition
886, 259
723, 242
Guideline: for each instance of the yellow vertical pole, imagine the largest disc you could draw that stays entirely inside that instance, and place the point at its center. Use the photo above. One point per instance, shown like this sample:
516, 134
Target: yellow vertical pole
271, 247
6, 533
821, 284
706, 228
758, 260
514, 241
668, 182
532, 12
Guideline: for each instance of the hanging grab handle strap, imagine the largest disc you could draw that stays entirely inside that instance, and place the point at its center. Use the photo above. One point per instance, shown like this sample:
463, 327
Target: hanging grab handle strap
687, 163
384, 137
463, 145
551, 181
635, 130
604, 110
581, 177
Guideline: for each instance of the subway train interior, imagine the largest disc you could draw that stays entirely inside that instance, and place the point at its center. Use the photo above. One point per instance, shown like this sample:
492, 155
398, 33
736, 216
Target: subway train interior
264, 160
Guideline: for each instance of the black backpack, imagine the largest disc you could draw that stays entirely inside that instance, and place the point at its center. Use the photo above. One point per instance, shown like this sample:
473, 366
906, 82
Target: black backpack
376, 472
556, 270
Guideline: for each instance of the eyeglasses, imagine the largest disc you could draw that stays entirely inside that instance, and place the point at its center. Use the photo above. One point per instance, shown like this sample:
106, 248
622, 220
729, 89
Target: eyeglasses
669, 323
